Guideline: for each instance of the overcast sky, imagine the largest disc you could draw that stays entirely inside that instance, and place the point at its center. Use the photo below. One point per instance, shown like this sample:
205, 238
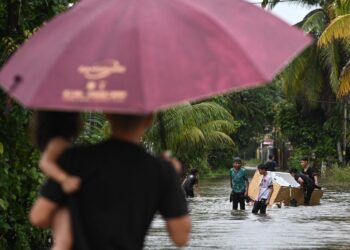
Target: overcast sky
291, 13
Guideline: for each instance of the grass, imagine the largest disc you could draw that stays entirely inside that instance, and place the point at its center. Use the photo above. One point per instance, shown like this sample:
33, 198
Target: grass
212, 174
339, 174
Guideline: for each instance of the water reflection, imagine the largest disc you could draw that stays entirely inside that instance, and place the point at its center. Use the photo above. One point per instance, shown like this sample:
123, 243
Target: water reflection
326, 226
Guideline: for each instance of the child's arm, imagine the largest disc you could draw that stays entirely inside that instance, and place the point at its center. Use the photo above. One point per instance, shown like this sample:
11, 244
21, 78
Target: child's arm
42, 212
52, 170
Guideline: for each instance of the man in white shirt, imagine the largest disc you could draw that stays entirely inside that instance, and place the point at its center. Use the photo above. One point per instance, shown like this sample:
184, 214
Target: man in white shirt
265, 191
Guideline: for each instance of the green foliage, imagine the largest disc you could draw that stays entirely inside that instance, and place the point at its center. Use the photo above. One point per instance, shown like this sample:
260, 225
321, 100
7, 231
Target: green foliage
309, 132
339, 174
19, 181
254, 109
96, 128
19, 19
19, 175
191, 131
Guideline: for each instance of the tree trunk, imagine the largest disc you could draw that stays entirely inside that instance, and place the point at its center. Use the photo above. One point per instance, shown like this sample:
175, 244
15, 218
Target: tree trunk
340, 156
345, 130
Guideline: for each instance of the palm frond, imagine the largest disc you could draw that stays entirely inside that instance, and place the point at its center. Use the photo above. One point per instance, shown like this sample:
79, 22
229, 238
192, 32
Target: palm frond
291, 76
342, 7
344, 81
314, 22
220, 125
339, 28
216, 138
193, 137
331, 59
207, 111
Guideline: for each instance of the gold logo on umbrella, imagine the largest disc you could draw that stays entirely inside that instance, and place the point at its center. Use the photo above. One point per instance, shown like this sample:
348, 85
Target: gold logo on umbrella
98, 72
96, 87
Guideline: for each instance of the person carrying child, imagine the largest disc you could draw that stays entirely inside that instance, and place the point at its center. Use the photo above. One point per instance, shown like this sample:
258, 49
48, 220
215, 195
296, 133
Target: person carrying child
53, 133
265, 191
239, 184
122, 189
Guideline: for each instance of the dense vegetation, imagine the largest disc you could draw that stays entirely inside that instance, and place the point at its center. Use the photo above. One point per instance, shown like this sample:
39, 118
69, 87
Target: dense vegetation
304, 107
19, 176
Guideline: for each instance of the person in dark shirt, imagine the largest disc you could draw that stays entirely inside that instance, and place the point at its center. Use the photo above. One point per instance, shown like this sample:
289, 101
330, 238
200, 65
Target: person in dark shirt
121, 190
307, 170
306, 182
190, 182
271, 164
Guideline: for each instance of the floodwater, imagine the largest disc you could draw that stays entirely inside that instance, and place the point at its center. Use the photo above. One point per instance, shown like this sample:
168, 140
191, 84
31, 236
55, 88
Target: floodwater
326, 226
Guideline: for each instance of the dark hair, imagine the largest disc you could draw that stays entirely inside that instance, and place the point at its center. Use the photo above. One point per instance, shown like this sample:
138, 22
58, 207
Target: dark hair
304, 158
270, 157
50, 124
237, 159
293, 171
262, 166
127, 121
194, 171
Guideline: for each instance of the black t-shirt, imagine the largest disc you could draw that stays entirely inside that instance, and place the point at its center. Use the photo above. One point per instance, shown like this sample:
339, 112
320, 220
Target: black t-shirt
310, 172
271, 165
308, 182
122, 188
191, 180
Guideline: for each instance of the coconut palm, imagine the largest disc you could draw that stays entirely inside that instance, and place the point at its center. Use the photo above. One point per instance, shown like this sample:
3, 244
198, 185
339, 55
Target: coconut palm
190, 130
315, 76
321, 73
338, 31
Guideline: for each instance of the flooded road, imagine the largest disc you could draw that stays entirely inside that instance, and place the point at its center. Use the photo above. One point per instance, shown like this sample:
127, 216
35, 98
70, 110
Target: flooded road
326, 226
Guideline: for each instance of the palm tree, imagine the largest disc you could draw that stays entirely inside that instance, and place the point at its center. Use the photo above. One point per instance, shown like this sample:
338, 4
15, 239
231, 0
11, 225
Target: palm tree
315, 75
339, 31
191, 130
321, 74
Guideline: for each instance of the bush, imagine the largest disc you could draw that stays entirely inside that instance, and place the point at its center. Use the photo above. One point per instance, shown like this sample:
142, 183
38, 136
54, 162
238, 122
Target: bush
339, 174
20, 179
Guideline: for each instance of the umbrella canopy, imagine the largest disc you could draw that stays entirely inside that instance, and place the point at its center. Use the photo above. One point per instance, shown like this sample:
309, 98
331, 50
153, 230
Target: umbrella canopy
139, 56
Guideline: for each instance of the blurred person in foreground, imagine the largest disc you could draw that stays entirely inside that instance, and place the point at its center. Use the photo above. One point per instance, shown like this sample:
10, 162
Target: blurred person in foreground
122, 187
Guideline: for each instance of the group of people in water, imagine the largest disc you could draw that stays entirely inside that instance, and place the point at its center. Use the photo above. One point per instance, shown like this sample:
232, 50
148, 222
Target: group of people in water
307, 178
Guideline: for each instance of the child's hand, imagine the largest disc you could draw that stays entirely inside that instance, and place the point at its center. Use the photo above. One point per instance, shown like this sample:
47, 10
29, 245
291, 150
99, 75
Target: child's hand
71, 184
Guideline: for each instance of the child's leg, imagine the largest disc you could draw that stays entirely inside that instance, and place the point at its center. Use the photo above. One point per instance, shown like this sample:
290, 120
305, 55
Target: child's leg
62, 231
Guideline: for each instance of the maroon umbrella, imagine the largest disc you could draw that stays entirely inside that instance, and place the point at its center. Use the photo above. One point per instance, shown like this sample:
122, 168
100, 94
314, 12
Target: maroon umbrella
139, 56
